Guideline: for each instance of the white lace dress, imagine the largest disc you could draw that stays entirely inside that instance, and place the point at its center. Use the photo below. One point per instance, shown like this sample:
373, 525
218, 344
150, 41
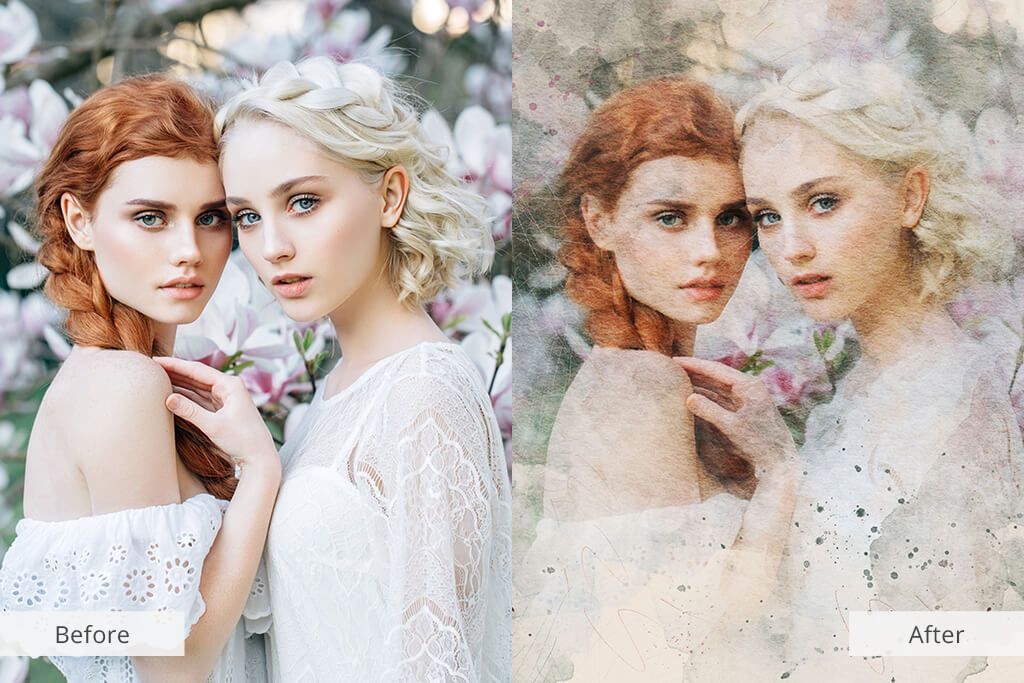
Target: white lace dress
622, 598
132, 560
389, 553
910, 499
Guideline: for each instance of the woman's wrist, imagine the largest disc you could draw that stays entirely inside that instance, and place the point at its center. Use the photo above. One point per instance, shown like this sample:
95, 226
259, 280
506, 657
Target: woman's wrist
265, 467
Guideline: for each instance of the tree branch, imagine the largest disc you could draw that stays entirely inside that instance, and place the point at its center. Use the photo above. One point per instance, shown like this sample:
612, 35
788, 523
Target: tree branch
102, 44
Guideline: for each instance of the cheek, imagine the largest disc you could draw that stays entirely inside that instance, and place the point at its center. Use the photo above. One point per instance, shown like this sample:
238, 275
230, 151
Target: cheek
215, 246
121, 254
734, 246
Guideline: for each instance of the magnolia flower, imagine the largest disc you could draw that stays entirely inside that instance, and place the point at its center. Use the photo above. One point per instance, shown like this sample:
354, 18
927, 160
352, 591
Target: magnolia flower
347, 37
19, 367
27, 134
473, 306
19, 31
479, 152
244, 328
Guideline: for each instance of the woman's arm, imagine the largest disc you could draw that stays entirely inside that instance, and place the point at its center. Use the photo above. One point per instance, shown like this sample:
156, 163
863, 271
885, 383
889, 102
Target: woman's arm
450, 536
127, 456
742, 409
232, 422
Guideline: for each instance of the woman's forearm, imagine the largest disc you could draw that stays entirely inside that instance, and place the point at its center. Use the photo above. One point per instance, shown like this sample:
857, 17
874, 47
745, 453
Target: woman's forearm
765, 526
755, 556
228, 574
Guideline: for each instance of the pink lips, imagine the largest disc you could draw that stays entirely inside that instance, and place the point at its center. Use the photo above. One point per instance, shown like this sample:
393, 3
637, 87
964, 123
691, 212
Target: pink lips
703, 288
811, 285
183, 288
290, 285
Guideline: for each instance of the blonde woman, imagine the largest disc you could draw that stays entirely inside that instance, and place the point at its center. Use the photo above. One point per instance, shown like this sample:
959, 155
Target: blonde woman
910, 485
389, 552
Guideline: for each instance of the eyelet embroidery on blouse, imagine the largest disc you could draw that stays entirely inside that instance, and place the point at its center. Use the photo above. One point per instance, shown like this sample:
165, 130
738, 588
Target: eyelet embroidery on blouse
94, 586
153, 552
178, 575
118, 553
186, 540
62, 594
28, 589
259, 587
139, 585
77, 559
51, 562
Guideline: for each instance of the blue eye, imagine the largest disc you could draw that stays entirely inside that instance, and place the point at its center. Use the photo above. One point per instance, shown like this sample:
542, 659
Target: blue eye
246, 219
150, 220
824, 203
729, 220
767, 219
213, 219
304, 203
669, 220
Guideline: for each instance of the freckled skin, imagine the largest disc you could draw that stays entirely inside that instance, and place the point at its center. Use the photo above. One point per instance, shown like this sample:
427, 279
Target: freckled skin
658, 249
135, 258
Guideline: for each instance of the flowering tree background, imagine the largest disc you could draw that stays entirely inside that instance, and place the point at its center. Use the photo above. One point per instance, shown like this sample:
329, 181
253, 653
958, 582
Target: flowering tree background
570, 55
456, 54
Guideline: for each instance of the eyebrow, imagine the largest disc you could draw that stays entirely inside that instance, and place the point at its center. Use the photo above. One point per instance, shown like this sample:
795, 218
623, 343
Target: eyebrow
165, 206
738, 205
281, 189
801, 189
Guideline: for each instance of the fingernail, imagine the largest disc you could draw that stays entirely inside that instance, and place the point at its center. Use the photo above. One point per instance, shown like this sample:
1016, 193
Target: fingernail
172, 401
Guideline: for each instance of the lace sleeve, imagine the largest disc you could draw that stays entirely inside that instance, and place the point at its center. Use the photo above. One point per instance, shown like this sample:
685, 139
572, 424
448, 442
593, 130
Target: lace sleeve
446, 522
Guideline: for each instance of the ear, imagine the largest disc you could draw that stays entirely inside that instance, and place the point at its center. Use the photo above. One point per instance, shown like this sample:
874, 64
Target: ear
597, 221
914, 193
77, 222
394, 188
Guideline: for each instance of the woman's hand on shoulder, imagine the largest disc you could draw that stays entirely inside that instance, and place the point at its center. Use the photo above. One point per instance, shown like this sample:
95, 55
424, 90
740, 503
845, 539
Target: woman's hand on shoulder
740, 407
220, 406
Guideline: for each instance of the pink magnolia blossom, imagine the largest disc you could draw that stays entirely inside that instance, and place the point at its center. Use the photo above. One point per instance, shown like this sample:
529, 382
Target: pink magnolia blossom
19, 31
26, 142
479, 152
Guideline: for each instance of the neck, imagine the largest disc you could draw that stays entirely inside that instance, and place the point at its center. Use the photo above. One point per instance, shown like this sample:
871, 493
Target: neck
165, 335
373, 324
683, 335
889, 331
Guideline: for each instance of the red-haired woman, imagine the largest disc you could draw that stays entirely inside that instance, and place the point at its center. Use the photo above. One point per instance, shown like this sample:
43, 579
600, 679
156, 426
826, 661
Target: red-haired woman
125, 507
640, 515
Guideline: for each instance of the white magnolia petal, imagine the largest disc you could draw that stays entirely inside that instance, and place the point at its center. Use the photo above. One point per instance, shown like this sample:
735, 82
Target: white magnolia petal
19, 31
49, 111
436, 130
474, 133
194, 347
57, 343
502, 286
22, 237
26, 275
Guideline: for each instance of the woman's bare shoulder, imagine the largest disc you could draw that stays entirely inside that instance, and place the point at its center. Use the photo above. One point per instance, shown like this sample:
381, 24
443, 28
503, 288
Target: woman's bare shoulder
634, 376
109, 396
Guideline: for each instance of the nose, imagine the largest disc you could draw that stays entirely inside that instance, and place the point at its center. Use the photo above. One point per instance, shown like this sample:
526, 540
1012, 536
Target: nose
797, 245
277, 247
703, 246
185, 251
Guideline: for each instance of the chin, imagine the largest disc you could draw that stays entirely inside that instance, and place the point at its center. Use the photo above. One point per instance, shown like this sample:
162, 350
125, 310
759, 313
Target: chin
824, 311
302, 311
695, 314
